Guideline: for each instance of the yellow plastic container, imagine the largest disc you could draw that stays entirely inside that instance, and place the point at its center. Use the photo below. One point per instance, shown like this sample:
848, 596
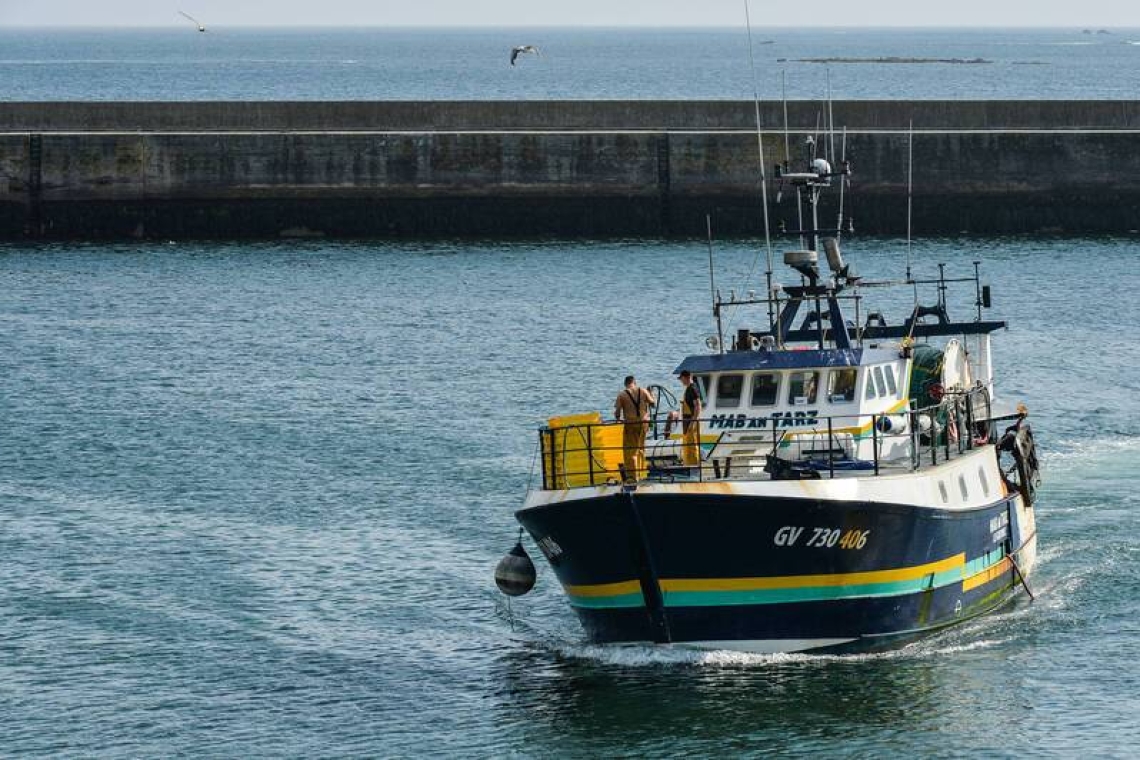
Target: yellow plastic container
579, 450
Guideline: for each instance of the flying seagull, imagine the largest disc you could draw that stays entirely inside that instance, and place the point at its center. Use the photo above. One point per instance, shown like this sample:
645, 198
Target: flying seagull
520, 49
195, 21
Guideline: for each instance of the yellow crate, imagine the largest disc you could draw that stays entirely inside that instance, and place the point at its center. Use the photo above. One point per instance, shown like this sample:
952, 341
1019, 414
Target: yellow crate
567, 420
577, 439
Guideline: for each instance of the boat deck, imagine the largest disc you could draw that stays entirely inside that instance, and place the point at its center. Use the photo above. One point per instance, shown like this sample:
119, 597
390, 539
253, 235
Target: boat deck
580, 455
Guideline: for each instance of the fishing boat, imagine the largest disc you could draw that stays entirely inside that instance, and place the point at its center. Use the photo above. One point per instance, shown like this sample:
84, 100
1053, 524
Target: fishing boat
859, 483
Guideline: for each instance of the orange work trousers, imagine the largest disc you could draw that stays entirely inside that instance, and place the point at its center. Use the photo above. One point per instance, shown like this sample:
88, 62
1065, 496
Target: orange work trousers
633, 449
691, 443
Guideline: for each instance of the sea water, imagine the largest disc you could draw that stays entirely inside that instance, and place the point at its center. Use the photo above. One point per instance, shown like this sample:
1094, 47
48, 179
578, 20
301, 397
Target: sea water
178, 63
252, 495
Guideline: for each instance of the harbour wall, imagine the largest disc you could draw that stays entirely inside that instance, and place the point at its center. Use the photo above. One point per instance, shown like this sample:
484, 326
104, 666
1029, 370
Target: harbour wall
553, 168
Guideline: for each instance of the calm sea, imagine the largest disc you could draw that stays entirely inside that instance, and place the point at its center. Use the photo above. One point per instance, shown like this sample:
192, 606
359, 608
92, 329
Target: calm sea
251, 498
178, 63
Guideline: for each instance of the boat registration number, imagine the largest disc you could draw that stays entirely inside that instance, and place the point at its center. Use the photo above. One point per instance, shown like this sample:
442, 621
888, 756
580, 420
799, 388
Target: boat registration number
822, 538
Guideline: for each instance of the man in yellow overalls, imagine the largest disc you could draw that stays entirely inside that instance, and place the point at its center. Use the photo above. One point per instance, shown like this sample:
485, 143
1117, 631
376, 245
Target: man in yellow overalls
690, 421
632, 408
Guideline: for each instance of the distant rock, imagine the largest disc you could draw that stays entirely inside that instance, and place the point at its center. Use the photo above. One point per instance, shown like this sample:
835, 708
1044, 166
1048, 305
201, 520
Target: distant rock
890, 59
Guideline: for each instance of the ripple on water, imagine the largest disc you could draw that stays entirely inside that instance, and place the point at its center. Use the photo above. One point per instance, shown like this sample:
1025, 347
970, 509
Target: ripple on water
251, 497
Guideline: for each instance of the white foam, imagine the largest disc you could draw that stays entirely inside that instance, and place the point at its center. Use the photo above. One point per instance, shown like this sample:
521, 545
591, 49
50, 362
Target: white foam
1090, 449
649, 655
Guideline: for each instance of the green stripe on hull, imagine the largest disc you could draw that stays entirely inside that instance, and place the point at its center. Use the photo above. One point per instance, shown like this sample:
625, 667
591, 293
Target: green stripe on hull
975, 566
809, 593
608, 602
804, 594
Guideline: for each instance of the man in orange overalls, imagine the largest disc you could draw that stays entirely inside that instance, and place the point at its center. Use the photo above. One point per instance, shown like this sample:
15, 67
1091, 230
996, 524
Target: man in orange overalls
632, 408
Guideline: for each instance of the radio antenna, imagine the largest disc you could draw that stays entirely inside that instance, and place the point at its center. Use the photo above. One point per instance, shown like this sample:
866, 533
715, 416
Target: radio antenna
788, 155
784, 93
842, 185
763, 170
712, 286
909, 191
830, 118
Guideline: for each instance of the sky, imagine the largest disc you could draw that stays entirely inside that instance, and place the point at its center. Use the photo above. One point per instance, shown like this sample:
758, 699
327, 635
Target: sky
955, 13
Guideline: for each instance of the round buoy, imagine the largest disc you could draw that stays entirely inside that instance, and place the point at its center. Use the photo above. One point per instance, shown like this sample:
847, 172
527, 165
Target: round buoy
514, 574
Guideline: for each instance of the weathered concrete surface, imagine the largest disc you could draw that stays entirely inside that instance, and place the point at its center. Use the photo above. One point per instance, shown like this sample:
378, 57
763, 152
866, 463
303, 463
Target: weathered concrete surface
113, 170
559, 115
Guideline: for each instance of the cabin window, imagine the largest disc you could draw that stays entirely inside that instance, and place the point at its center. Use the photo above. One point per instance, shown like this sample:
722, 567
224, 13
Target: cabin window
728, 390
764, 387
802, 388
880, 383
962, 487
942, 492
985, 483
870, 394
841, 385
892, 386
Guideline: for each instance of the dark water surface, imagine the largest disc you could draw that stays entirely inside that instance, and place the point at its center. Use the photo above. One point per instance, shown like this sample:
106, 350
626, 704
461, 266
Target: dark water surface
178, 63
251, 497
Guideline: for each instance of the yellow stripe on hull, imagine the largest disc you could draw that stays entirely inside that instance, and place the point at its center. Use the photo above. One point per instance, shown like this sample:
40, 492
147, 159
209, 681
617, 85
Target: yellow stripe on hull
987, 575
777, 582
604, 589
805, 581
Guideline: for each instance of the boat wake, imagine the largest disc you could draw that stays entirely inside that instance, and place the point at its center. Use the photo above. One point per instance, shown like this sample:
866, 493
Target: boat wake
1092, 450
637, 656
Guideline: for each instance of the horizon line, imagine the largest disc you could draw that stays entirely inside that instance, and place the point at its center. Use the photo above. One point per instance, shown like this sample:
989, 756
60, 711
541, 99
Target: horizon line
785, 27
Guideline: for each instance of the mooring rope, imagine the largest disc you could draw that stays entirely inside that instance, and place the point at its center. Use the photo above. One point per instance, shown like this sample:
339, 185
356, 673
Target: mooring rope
1021, 576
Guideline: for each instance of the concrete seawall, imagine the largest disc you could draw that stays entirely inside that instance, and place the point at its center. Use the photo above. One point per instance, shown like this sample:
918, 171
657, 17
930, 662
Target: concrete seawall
183, 170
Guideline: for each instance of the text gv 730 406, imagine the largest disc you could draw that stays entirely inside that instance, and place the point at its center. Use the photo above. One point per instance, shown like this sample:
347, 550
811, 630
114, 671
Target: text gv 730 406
822, 538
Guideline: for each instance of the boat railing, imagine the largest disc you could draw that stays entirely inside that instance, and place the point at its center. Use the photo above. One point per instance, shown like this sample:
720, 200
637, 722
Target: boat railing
578, 455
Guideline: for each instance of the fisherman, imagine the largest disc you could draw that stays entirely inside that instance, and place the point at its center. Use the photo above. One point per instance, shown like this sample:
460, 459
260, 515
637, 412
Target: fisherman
632, 408
690, 421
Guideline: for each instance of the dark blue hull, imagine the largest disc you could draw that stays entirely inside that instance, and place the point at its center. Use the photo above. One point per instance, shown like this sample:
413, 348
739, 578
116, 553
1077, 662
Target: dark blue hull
776, 574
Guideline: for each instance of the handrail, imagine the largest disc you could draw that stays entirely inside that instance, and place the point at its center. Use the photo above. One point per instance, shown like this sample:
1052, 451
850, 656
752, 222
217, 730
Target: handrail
592, 454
